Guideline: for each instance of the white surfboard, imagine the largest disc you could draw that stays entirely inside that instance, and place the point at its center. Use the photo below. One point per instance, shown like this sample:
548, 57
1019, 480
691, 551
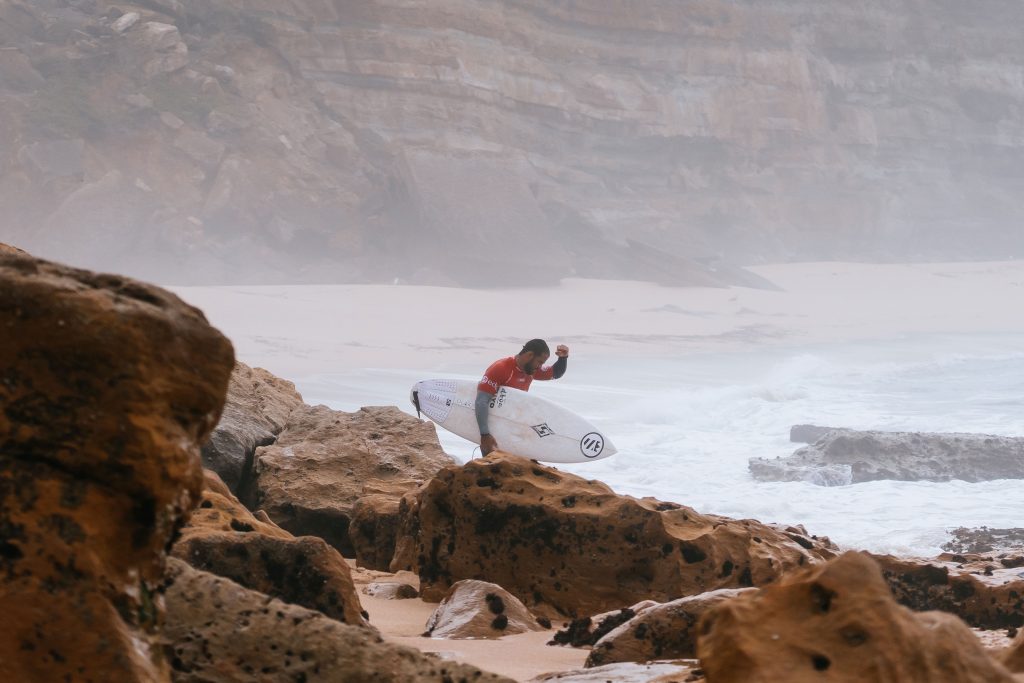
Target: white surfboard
521, 423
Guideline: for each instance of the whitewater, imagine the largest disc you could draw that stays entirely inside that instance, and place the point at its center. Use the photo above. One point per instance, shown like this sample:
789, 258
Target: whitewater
691, 383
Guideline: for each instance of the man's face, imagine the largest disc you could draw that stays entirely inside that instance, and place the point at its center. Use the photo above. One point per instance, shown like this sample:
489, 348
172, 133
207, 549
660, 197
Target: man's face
533, 362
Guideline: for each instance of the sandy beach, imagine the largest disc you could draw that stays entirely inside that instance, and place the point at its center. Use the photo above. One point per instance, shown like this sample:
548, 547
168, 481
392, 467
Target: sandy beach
303, 331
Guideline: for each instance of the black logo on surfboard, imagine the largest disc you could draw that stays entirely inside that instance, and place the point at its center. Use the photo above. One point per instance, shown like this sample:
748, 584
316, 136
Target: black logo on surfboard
542, 430
592, 445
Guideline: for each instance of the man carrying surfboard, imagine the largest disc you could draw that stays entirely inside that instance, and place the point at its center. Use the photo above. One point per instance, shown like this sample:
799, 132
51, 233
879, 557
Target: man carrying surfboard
517, 372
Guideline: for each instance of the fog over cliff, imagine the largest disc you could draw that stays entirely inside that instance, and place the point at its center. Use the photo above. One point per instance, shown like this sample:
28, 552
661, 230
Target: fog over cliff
480, 142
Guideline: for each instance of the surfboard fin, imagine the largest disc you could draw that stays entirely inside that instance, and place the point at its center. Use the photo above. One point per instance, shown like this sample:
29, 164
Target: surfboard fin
416, 402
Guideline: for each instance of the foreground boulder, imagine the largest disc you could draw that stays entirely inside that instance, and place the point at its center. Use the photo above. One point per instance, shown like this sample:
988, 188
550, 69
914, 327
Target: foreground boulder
227, 540
665, 631
257, 409
984, 594
1013, 657
838, 622
566, 545
477, 609
220, 632
108, 388
325, 460
845, 456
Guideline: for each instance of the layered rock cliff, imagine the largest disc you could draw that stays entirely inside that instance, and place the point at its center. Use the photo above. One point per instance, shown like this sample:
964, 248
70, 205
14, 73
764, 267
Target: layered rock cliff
485, 142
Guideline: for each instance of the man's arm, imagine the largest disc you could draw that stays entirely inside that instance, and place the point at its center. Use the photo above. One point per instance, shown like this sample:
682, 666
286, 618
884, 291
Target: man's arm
558, 369
482, 407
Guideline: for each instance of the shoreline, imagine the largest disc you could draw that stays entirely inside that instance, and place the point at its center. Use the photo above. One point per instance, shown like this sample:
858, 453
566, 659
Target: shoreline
300, 330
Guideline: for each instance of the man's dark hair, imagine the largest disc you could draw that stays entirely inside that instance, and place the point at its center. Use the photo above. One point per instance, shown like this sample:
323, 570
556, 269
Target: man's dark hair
537, 347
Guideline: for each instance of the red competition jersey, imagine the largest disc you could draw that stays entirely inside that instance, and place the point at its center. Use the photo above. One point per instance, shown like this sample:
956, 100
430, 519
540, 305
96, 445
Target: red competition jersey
505, 373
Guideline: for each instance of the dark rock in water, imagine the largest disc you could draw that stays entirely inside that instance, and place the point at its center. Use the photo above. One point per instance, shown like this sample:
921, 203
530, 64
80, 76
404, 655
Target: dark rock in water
220, 632
807, 433
985, 540
845, 456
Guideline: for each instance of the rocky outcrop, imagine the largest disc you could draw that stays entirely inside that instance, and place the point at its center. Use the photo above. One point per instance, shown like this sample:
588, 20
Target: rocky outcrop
586, 631
1008, 542
326, 460
984, 594
807, 433
391, 591
281, 641
563, 544
477, 609
257, 409
1013, 657
371, 141
667, 631
109, 386
845, 456
373, 530
838, 621
223, 538
655, 672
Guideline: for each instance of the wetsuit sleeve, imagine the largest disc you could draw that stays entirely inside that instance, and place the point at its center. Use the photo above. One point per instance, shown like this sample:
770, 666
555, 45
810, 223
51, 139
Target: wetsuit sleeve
552, 371
495, 376
482, 406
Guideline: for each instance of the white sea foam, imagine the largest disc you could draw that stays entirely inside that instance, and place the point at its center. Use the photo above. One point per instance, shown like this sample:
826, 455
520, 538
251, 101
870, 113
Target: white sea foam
686, 427
688, 399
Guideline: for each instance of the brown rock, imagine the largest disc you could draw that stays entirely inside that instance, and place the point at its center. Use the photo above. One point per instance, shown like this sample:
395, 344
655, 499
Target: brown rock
325, 460
586, 631
391, 591
223, 538
678, 671
257, 409
477, 609
666, 631
109, 386
839, 622
1013, 657
8, 249
985, 595
373, 530
564, 544
220, 632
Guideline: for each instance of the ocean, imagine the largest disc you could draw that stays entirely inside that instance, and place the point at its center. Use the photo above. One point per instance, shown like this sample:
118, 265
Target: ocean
685, 427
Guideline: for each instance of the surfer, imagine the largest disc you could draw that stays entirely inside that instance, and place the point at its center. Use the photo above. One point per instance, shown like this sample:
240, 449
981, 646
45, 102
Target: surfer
517, 372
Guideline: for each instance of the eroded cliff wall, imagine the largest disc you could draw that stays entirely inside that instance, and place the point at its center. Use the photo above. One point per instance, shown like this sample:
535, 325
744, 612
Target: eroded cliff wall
445, 141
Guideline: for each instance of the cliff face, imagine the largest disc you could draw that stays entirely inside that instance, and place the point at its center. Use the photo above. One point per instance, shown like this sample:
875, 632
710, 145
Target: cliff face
458, 141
